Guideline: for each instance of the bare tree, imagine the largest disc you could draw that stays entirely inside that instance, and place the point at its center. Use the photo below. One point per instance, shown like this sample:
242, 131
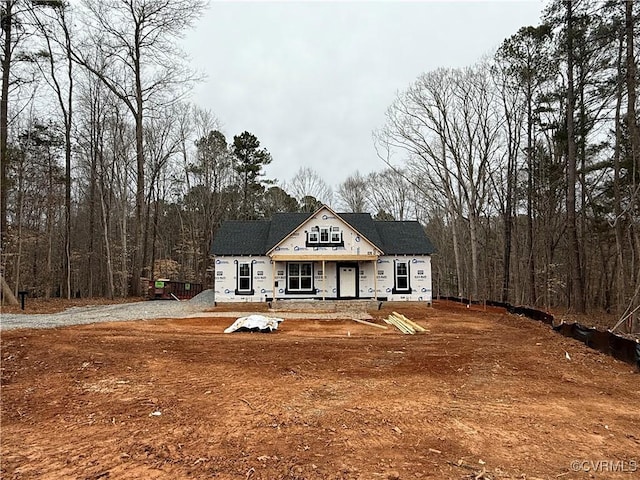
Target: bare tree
308, 183
352, 194
15, 31
577, 280
448, 124
9, 13
522, 64
390, 192
634, 137
162, 138
48, 25
7, 53
136, 38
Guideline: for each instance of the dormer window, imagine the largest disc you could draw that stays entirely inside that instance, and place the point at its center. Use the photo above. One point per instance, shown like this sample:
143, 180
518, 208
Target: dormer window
325, 237
324, 234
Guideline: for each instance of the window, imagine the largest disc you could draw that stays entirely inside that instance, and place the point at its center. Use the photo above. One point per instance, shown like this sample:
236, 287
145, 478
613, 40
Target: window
244, 279
300, 277
324, 235
402, 277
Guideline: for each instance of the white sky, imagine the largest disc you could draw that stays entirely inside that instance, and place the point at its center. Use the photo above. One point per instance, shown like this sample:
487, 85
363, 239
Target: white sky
312, 80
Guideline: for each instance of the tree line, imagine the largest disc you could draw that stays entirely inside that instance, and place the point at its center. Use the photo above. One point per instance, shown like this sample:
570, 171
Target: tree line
524, 168
529, 162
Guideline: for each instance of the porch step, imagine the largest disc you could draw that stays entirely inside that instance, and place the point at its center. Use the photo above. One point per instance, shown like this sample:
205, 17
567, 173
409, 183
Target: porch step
328, 306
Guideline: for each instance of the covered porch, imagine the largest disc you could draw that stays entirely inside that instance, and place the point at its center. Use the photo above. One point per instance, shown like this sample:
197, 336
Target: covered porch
324, 276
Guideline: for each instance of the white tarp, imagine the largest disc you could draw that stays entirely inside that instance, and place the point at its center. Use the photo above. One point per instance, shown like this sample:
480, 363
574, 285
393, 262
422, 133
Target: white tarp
259, 322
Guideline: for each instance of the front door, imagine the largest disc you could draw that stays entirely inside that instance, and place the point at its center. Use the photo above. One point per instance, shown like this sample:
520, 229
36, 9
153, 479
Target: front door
348, 276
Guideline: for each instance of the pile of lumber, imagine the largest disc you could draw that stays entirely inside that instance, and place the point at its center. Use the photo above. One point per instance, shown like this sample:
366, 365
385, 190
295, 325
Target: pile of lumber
403, 324
364, 322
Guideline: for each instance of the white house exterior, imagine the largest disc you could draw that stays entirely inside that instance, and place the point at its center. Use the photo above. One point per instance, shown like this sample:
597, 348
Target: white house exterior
323, 255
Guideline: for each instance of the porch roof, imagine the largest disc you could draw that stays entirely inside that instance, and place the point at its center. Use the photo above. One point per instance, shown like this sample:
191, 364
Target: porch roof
323, 257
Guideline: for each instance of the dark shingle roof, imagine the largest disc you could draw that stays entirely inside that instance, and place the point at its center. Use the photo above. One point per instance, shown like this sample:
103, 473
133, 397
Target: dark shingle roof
241, 237
404, 238
282, 224
257, 237
365, 225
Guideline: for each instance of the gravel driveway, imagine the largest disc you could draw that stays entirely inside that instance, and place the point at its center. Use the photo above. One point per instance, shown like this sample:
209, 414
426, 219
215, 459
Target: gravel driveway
196, 307
111, 313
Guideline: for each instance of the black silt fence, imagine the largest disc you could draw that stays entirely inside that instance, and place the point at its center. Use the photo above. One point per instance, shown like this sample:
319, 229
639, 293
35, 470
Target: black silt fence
621, 348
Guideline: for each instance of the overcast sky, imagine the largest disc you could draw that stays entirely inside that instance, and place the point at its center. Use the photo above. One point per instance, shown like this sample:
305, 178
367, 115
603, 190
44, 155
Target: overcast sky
312, 80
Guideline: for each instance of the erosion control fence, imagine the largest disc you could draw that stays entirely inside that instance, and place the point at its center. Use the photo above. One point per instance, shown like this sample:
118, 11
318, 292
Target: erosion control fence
621, 348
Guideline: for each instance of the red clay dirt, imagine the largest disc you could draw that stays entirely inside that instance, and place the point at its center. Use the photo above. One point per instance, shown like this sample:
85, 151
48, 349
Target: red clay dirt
483, 395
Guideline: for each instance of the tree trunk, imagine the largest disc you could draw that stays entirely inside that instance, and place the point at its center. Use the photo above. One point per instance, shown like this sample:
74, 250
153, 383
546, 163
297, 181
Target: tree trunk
473, 234
634, 133
156, 217
531, 264
124, 270
107, 247
144, 272
7, 22
93, 173
508, 225
583, 183
617, 195
19, 221
577, 299
49, 275
456, 254
7, 294
137, 266
67, 163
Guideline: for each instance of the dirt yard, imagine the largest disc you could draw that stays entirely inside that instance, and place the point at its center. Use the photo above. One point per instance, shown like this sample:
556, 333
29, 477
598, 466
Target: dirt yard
483, 395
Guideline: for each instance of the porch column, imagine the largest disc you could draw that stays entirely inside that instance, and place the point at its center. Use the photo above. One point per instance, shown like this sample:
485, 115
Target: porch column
375, 279
273, 278
324, 280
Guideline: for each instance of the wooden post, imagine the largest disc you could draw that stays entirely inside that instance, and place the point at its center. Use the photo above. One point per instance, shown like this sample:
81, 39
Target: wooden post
375, 279
273, 279
324, 280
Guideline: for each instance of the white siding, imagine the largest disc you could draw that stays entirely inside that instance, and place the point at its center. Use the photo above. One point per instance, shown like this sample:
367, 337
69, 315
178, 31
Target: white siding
226, 279
325, 283
354, 243
419, 278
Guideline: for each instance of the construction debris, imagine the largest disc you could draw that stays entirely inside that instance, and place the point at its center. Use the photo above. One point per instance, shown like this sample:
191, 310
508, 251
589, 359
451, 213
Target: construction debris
364, 322
413, 324
403, 324
254, 323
